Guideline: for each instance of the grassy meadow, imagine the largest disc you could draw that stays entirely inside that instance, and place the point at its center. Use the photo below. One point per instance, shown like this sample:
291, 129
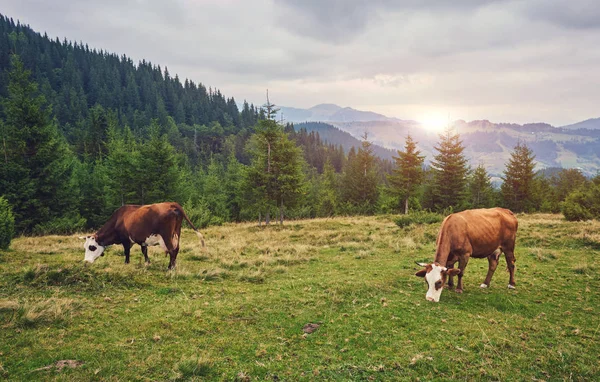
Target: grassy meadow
238, 310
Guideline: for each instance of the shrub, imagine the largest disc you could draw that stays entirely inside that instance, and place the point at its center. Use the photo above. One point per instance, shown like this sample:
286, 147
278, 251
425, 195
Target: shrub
7, 223
61, 226
583, 204
421, 217
201, 215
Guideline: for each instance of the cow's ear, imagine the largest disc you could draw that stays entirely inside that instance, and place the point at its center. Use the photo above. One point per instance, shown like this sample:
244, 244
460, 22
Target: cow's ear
421, 273
453, 272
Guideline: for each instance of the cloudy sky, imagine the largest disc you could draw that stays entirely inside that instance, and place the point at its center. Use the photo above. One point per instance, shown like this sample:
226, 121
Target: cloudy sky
506, 61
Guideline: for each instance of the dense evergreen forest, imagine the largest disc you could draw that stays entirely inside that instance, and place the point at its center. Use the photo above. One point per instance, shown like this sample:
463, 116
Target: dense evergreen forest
84, 131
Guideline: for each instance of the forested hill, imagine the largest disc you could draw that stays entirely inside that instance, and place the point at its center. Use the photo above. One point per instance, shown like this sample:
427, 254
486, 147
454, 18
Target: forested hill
332, 134
73, 78
84, 131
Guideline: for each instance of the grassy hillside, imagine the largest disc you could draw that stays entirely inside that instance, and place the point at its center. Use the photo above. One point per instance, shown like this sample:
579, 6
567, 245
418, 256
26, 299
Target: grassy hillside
238, 310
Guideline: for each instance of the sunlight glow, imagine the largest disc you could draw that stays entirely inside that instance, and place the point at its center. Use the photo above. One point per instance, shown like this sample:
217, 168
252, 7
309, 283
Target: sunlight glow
434, 122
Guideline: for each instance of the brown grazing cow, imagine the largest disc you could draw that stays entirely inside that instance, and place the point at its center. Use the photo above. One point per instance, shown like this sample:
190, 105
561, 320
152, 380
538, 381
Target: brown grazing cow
472, 233
153, 224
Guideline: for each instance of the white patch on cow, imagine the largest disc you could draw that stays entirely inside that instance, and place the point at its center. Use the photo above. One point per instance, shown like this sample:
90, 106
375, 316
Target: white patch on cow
175, 240
155, 239
511, 286
432, 278
483, 286
93, 250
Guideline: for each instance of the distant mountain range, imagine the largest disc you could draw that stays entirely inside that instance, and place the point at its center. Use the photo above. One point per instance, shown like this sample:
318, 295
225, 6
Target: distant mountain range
487, 143
592, 124
328, 112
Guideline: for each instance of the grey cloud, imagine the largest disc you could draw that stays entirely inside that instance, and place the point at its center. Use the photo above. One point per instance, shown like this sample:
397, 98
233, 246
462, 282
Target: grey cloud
340, 21
574, 14
486, 57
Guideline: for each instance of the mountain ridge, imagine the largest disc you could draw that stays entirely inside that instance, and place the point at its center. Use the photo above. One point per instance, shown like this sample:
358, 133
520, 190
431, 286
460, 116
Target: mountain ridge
329, 112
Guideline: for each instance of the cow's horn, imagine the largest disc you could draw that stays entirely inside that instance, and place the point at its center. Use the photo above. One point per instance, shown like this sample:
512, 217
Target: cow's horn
421, 264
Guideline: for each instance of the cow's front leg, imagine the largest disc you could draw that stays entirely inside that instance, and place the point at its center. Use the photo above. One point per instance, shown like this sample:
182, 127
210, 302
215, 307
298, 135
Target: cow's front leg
145, 252
126, 250
450, 265
462, 264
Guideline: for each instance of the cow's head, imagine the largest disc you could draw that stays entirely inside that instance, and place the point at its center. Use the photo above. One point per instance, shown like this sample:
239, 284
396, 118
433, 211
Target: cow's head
93, 250
435, 275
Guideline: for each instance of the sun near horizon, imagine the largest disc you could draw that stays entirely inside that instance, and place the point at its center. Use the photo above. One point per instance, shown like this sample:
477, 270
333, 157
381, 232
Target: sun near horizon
434, 121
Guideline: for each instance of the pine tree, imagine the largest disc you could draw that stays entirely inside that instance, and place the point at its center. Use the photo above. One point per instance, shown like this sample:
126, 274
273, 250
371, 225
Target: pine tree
274, 177
37, 174
359, 183
450, 169
328, 197
159, 174
122, 164
408, 172
481, 192
518, 187
215, 191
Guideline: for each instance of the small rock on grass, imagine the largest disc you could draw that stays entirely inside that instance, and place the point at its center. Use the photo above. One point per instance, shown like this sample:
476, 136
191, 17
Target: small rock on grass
310, 327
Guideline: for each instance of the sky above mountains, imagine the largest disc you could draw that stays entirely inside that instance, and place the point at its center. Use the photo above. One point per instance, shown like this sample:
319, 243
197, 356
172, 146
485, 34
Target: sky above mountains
506, 61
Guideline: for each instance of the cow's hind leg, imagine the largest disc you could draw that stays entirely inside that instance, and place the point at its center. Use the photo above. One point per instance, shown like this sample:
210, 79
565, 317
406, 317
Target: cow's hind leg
493, 264
173, 257
126, 250
510, 264
145, 252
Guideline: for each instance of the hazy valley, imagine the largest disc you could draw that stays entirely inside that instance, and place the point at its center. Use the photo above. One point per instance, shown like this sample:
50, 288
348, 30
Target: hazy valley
487, 143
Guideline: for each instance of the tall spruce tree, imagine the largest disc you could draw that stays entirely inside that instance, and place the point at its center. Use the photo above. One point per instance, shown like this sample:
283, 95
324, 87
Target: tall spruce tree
450, 169
275, 177
36, 175
359, 182
518, 187
159, 174
121, 165
328, 197
481, 192
408, 172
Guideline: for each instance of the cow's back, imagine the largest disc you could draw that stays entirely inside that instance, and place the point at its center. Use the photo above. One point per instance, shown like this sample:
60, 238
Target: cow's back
479, 231
151, 219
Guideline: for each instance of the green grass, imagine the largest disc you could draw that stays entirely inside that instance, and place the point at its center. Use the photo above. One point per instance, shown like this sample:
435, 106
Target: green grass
237, 310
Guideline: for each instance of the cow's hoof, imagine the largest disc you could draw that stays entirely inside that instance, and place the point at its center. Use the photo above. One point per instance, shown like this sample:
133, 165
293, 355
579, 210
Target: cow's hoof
483, 286
459, 290
511, 286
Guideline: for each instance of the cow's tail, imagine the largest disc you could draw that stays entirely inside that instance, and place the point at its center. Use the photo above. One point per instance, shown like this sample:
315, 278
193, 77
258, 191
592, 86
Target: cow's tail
193, 227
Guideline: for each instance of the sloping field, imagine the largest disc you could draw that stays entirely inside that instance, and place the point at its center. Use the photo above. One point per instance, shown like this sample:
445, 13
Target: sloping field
237, 311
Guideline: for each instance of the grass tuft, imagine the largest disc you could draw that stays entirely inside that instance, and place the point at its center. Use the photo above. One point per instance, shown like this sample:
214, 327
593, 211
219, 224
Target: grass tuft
215, 274
194, 367
418, 218
29, 314
583, 269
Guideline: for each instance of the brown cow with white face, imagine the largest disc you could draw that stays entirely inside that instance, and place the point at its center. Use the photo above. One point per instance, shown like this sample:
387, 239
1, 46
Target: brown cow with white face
477, 233
153, 224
